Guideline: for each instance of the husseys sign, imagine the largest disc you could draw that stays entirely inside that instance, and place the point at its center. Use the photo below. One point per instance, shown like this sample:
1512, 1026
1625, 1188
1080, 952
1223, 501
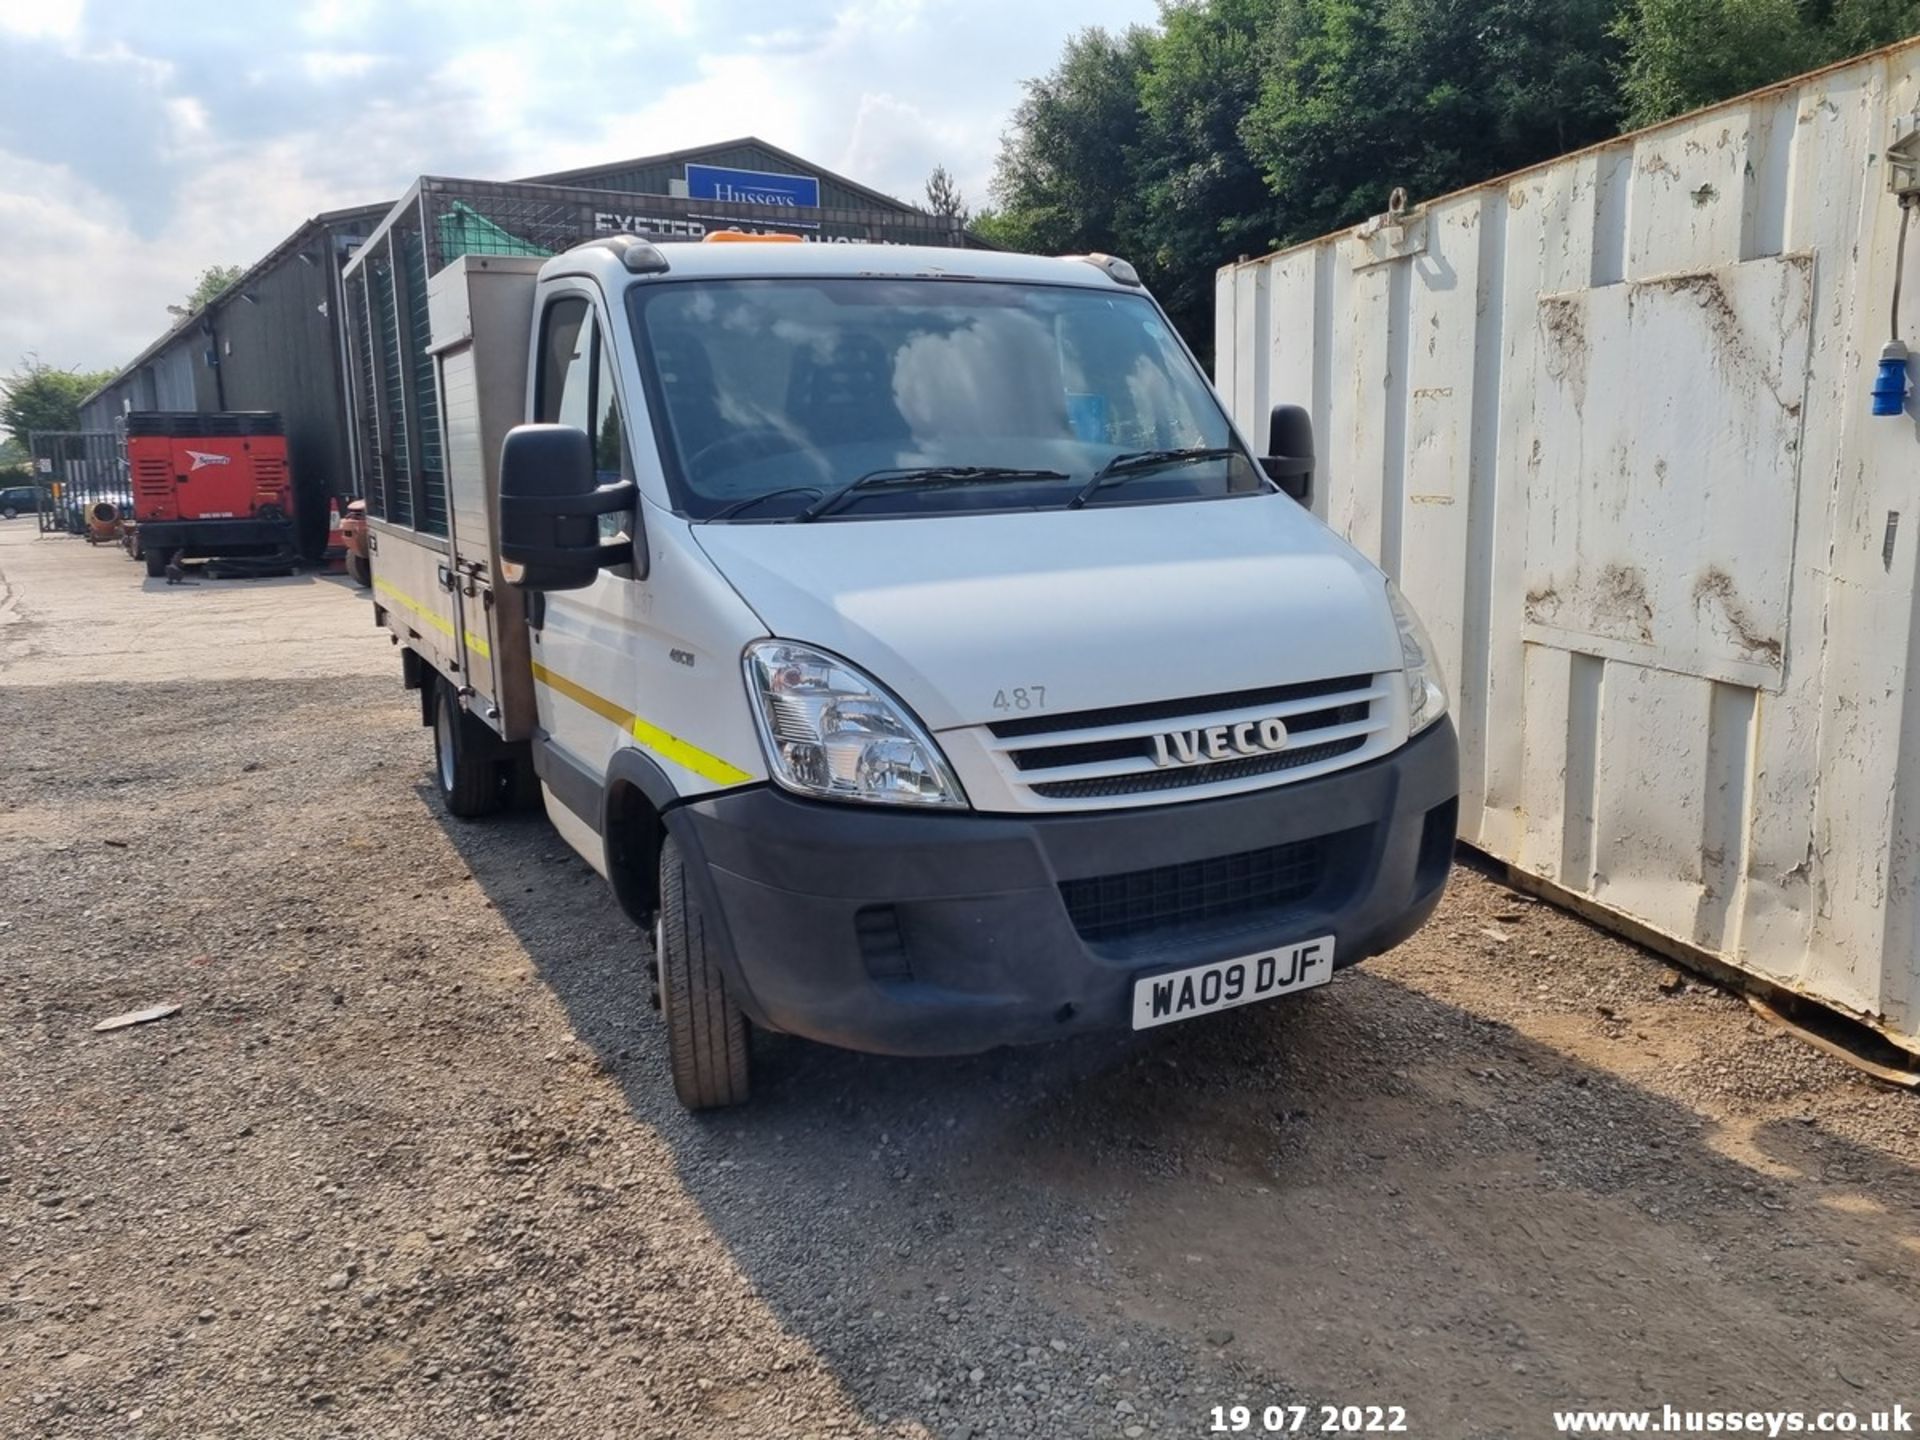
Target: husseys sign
752, 187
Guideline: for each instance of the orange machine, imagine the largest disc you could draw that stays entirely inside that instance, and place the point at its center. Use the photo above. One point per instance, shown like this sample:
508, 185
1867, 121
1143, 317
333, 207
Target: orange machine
209, 486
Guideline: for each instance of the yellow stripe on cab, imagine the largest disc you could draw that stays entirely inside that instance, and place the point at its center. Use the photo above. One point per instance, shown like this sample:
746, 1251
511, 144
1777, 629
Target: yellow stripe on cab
672, 747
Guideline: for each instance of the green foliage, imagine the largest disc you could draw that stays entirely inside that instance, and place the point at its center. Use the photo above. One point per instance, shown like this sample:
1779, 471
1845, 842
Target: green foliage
37, 397
1241, 125
944, 197
1682, 54
214, 281
1430, 94
1066, 170
1203, 200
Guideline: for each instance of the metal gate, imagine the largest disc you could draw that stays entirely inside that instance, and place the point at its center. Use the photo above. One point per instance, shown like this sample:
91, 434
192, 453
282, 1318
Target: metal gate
78, 470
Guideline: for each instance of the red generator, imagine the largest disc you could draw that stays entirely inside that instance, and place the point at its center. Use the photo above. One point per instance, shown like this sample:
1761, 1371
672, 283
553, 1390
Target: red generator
209, 486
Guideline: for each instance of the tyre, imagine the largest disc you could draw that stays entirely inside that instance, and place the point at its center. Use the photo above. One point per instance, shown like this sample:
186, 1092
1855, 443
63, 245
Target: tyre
706, 1033
359, 570
463, 762
7, 512
156, 562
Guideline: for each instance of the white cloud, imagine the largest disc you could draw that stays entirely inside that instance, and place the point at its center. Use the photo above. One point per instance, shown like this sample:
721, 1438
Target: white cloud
326, 65
341, 102
77, 287
42, 19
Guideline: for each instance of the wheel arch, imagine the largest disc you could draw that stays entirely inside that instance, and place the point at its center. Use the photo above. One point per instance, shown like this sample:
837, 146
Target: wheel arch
632, 828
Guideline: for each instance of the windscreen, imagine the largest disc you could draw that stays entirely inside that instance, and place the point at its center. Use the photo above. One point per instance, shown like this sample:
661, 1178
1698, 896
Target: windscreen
770, 394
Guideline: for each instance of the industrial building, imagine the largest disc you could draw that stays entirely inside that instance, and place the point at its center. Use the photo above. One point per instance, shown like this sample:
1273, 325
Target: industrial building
275, 340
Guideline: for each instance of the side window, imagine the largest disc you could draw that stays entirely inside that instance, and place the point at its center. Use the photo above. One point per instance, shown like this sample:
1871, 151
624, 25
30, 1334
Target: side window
566, 362
577, 388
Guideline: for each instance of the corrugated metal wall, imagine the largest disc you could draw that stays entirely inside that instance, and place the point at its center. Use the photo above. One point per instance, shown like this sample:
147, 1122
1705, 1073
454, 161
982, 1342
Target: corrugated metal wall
1607, 423
279, 350
174, 377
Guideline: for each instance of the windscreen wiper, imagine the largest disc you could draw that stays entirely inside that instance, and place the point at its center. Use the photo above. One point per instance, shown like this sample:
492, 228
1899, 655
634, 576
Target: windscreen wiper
727, 512
922, 477
1128, 466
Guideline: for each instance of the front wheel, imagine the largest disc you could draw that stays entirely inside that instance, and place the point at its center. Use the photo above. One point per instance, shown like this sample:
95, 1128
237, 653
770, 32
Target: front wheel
156, 563
359, 570
7, 512
468, 773
706, 1033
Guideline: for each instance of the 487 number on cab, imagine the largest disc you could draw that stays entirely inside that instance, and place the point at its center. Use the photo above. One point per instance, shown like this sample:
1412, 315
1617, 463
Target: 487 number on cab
1311, 1420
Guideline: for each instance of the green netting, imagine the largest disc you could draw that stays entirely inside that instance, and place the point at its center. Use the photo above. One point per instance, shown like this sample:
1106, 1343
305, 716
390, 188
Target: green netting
463, 230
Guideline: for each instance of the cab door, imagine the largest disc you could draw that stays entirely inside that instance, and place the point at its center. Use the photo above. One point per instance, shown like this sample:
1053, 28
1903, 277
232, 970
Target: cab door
583, 641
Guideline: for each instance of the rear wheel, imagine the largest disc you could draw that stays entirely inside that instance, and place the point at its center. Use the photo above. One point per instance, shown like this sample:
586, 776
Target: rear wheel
706, 1033
359, 570
463, 763
156, 562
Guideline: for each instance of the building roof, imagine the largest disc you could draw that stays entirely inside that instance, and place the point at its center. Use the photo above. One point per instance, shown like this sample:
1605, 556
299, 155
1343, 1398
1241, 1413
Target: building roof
579, 176
188, 323
676, 157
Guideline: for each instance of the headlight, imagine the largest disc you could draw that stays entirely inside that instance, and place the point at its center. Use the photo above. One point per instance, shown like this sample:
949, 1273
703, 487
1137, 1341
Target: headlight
1426, 686
833, 733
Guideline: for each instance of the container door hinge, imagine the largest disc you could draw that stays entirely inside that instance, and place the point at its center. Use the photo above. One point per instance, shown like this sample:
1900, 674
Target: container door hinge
1399, 232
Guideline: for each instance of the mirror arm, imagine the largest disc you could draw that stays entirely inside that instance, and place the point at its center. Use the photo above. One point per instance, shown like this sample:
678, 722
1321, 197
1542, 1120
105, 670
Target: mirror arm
1292, 473
617, 495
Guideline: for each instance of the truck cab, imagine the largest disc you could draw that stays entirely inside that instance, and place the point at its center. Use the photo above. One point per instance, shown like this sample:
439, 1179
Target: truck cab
913, 642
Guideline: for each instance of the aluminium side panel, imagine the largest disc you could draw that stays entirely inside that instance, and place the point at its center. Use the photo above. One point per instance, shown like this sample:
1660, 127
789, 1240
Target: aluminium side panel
481, 310
1606, 420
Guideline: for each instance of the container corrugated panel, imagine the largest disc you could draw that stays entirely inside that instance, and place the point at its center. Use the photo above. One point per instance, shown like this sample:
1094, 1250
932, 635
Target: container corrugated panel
1607, 422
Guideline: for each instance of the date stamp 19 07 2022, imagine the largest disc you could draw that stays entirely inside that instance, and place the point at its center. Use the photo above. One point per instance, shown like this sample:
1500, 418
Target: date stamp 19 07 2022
1309, 1420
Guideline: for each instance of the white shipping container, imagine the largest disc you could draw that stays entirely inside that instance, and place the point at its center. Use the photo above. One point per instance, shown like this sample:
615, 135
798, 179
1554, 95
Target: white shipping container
1607, 422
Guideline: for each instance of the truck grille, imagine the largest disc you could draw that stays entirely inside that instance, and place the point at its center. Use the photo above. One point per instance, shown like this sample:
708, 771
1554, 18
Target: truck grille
1109, 754
1196, 892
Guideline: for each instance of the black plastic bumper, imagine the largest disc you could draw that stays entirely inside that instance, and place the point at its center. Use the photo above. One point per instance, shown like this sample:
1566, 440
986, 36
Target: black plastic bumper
197, 538
928, 934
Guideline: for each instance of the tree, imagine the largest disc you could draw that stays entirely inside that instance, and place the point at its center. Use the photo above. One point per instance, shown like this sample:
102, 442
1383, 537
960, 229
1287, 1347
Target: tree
214, 281
1360, 97
1238, 126
1064, 180
37, 397
944, 197
1682, 54
1203, 198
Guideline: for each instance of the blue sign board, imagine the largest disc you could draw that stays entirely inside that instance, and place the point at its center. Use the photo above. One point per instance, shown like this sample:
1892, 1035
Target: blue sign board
751, 187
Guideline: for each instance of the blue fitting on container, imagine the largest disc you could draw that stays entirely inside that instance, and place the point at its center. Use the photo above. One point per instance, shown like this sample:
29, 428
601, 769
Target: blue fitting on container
1890, 384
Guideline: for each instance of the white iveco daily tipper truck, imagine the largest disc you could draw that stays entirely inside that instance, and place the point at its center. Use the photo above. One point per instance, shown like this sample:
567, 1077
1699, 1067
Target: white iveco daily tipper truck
909, 638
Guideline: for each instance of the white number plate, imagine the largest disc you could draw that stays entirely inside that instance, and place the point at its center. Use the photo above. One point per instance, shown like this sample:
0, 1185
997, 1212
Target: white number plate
1162, 999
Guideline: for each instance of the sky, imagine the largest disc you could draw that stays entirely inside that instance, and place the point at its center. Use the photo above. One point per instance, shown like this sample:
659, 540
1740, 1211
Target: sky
143, 140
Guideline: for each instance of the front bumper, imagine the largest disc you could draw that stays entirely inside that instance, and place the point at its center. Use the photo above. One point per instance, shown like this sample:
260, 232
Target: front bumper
947, 934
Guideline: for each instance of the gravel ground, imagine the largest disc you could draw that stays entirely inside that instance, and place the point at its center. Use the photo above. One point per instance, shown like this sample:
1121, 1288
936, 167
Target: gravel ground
406, 1162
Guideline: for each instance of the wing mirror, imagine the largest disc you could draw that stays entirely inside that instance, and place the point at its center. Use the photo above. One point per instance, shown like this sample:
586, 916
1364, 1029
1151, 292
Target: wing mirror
1289, 458
551, 501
